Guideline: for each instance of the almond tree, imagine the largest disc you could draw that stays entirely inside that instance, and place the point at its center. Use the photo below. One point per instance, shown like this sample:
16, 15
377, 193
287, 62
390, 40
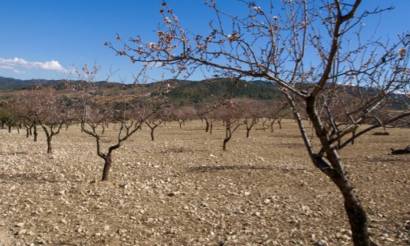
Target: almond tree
95, 116
51, 122
204, 113
181, 114
304, 48
231, 116
5, 114
152, 124
253, 111
276, 113
9, 113
93, 123
251, 116
41, 107
159, 111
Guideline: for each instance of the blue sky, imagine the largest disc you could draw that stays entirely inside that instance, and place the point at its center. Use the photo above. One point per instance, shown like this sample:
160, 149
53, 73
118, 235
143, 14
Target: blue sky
43, 38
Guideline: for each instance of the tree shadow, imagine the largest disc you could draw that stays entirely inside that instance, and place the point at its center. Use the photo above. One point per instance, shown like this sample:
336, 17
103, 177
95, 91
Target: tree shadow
176, 150
65, 243
284, 169
388, 158
288, 145
228, 167
284, 135
24, 178
14, 153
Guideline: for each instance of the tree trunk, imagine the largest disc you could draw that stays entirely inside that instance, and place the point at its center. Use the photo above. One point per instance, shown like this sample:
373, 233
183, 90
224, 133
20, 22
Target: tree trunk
353, 136
9, 128
35, 133
224, 144
27, 132
248, 130
152, 134
228, 135
271, 125
49, 148
357, 219
354, 210
264, 124
211, 126
206, 125
280, 124
107, 167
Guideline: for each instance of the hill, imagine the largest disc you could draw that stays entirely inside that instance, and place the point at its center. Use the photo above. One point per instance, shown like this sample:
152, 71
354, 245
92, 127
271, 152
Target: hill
208, 90
179, 92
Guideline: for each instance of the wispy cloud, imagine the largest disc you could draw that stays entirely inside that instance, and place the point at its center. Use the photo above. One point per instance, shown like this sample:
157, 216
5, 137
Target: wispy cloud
17, 64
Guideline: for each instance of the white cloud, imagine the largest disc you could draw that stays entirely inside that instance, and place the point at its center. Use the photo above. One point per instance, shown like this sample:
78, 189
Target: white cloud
16, 64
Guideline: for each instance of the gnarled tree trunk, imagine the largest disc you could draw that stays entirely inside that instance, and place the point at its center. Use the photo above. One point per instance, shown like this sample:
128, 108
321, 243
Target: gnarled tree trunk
107, 167
332, 166
35, 133
49, 148
354, 210
206, 125
152, 133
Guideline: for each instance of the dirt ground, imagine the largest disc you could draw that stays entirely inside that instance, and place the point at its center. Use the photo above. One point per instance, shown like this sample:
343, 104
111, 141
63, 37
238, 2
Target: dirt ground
182, 189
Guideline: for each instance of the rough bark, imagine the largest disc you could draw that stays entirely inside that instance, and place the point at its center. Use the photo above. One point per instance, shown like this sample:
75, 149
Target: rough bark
271, 125
49, 147
206, 125
332, 166
107, 167
180, 122
35, 133
226, 140
152, 134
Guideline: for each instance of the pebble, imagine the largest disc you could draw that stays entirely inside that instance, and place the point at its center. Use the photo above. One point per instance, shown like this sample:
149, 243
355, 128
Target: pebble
320, 243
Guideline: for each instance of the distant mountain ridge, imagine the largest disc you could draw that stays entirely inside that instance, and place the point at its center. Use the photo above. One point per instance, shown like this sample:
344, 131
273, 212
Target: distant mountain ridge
11, 84
182, 92
178, 91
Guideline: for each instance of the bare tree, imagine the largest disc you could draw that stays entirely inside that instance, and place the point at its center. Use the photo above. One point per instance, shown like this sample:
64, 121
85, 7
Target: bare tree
253, 111
95, 116
204, 113
207, 111
50, 117
230, 115
41, 107
94, 123
159, 112
152, 124
272, 43
275, 114
9, 114
181, 114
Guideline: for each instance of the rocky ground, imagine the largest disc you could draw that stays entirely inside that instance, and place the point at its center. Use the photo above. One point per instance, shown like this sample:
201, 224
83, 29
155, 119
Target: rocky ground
183, 190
